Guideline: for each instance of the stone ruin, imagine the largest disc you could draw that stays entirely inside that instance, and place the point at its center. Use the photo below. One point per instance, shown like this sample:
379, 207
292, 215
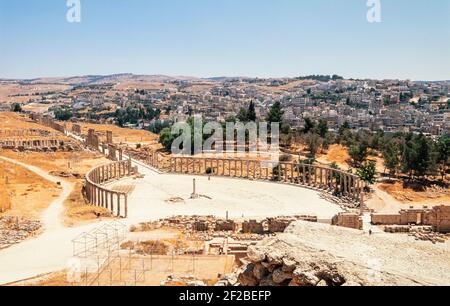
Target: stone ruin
76, 129
253, 227
109, 137
189, 281
25, 133
438, 218
420, 233
92, 140
14, 230
309, 254
226, 226
349, 220
39, 145
208, 227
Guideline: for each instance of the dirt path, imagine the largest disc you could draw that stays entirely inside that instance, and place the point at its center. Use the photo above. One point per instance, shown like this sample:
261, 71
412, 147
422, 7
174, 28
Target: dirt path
383, 202
51, 250
51, 216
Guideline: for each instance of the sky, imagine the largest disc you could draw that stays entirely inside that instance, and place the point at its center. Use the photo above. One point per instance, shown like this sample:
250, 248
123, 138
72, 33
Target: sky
210, 38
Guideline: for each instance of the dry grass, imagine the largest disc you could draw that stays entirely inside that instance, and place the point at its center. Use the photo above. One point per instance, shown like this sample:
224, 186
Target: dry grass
120, 135
69, 163
416, 193
27, 193
336, 154
77, 210
15, 121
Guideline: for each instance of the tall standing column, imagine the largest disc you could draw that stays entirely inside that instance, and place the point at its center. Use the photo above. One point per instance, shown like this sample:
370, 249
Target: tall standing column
304, 174
118, 204
126, 205
111, 209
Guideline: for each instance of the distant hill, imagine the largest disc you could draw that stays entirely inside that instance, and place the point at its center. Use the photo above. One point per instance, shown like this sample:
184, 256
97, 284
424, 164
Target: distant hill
103, 79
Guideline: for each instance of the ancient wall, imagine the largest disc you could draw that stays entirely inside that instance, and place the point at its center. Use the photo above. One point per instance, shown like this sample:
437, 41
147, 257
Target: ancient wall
200, 226
349, 220
109, 137
438, 218
24, 133
225, 226
112, 152
92, 140
76, 129
38, 145
252, 227
278, 225
386, 219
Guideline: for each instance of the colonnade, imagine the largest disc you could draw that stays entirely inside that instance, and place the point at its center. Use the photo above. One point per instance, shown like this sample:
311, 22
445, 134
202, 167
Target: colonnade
335, 181
24, 133
99, 195
37, 143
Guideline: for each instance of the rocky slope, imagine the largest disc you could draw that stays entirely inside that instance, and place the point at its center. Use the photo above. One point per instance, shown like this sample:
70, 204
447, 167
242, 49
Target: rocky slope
309, 254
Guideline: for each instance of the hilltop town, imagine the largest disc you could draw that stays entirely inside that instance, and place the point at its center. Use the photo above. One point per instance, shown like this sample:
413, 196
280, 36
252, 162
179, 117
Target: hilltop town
152, 102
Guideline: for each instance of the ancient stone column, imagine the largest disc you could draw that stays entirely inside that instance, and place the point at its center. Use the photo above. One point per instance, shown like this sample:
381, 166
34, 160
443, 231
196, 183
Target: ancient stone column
126, 205
118, 204
112, 202
109, 137
346, 184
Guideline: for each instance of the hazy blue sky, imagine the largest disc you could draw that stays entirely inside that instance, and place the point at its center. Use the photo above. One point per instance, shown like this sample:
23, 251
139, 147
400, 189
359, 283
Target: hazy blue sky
226, 38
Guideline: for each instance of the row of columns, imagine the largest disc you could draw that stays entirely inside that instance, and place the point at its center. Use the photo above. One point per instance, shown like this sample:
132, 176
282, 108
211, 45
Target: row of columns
340, 182
23, 133
100, 196
39, 143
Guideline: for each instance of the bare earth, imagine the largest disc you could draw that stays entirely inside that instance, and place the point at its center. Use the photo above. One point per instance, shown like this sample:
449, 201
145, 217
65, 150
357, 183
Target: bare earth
382, 259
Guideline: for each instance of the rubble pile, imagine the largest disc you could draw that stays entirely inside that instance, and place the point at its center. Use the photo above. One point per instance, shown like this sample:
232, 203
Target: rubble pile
420, 233
425, 233
311, 254
66, 174
190, 281
206, 228
13, 230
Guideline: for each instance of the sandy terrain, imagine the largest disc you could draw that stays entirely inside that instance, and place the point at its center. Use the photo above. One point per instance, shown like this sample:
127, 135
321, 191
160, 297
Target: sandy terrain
67, 163
337, 154
26, 192
120, 135
36, 107
15, 121
409, 195
9, 92
395, 254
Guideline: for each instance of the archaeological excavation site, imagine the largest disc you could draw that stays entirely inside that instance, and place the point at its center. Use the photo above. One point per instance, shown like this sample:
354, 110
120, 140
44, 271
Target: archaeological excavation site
103, 211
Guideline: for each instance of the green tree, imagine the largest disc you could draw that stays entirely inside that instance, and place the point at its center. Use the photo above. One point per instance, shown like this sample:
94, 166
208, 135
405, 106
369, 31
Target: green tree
442, 150
275, 113
367, 172
251, 114
423, 162
409, 155
336, 175
16, 108
391, 157
313, 142
322, 128
359, 152
166, 139
309, 126
242, 115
